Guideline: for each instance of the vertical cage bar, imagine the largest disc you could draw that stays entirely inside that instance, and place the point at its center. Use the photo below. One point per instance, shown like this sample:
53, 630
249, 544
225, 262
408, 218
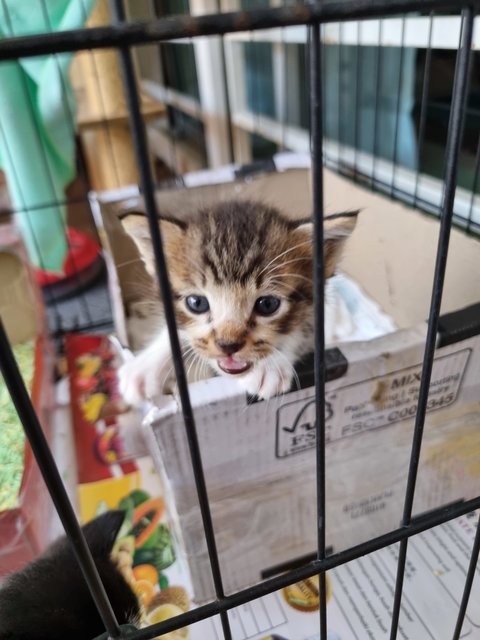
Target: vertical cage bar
423, 107
228, 106
453, 150
358, 78
474, 186
378, 82
316, 134
139, 137
397, 107
472, 567
339, 96
283, 113
53, 480
170, 117
256, 85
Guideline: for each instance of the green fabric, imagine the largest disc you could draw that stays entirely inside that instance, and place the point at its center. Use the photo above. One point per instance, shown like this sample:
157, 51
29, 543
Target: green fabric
37, 126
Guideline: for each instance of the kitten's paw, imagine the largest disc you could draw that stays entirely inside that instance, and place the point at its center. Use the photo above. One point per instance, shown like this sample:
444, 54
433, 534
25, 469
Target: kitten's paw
268, 379
143, 378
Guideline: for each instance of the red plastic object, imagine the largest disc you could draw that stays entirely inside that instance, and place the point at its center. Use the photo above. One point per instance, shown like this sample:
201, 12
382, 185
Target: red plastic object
83, 251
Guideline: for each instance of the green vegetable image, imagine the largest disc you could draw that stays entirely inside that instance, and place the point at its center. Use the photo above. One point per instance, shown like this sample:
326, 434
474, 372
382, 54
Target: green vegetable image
141, 525
153, 541
163, 581
126, 504
129, 504
162, 555
139, 496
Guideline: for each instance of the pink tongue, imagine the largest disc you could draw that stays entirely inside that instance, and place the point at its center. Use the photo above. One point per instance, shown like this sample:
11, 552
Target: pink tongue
231, 363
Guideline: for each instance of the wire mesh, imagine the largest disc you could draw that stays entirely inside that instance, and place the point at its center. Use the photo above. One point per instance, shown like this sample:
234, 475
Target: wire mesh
453, 148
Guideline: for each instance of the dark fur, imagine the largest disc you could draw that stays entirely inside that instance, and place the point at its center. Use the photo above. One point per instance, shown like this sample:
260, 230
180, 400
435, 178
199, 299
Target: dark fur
49, 599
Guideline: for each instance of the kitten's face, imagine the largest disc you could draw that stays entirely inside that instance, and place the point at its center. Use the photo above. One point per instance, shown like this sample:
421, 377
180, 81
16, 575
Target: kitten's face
241, 274
242, 284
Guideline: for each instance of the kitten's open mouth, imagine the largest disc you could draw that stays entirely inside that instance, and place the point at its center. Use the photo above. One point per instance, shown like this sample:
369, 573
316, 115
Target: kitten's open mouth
231, 365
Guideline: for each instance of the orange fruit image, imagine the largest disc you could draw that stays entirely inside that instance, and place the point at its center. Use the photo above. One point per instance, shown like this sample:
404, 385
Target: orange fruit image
146, 572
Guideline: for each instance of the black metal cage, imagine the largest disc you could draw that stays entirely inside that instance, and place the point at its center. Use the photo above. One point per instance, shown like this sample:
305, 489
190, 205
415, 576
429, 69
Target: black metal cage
123, 35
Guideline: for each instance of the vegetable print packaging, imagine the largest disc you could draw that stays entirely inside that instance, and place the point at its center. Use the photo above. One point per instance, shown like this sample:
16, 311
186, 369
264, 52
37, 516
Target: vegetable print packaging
105, 431
113, 473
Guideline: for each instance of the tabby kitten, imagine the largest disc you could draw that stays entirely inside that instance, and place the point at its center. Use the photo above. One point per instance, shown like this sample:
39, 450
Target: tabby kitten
241, 275
49, 598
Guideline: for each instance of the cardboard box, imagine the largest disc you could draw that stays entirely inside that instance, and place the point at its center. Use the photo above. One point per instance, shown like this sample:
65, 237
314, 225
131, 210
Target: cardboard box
259, 458
24, 526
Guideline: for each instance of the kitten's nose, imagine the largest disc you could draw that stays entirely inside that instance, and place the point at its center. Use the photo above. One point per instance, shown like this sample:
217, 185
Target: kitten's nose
229, 348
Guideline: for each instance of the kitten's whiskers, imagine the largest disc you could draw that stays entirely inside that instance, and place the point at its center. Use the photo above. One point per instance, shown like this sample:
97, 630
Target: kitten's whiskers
290, 365
127, 262
293, 275
297, 246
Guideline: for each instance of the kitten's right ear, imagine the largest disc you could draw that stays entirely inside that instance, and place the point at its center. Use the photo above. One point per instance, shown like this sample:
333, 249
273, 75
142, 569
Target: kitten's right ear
136, 225
336, 230
101, 532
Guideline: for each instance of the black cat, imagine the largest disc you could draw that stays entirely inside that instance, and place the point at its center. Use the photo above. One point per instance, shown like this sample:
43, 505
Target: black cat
49, 598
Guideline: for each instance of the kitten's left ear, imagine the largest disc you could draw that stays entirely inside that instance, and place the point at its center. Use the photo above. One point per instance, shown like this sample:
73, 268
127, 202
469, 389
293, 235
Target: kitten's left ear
102, 532
136, 225
337, 228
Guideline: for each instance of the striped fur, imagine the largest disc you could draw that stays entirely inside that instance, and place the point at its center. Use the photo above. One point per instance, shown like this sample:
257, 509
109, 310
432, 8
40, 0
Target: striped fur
233, 254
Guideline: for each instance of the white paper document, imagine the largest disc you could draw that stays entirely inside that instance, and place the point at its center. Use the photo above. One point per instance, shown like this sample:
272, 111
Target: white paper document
360, 596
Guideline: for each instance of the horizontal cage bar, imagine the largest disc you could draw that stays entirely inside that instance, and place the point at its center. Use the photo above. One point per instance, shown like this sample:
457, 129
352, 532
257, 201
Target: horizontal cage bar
128, 34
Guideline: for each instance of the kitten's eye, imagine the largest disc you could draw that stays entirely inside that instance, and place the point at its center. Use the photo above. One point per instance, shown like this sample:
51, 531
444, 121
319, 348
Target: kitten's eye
266, 305
197, 304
